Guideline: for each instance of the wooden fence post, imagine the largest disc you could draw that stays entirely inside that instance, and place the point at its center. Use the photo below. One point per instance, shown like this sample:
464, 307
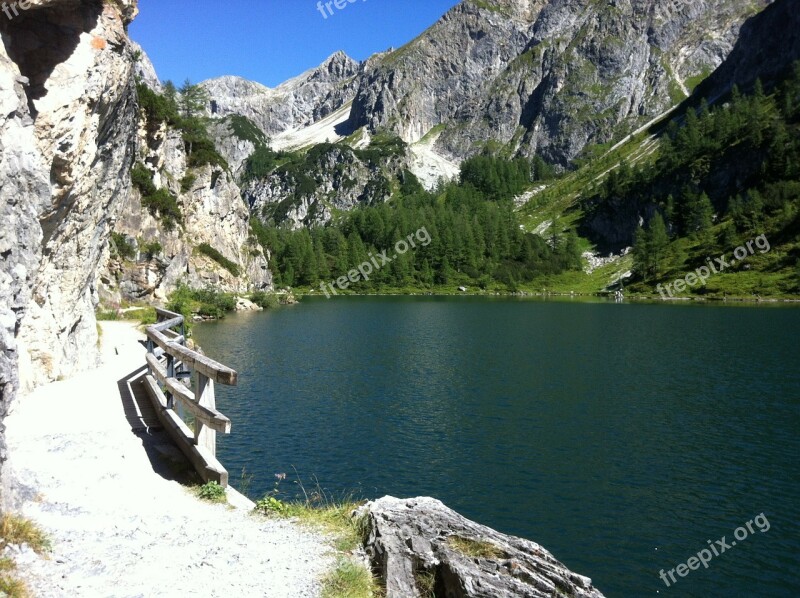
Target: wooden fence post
205, 436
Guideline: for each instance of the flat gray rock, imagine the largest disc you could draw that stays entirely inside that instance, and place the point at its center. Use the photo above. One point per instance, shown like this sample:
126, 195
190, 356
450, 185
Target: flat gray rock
420, 548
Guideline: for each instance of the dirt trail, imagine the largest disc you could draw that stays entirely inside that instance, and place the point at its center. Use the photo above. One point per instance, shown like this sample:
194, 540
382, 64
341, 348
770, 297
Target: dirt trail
119, 528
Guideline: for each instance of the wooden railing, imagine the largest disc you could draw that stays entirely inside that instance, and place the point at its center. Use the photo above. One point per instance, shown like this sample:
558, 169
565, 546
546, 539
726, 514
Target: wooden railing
169, 364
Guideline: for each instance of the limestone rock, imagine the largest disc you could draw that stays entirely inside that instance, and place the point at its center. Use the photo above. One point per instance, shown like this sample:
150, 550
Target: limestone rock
244, 304
66, 124
296, 103
76, 59
419, 541
545, 77
213, 212
342, 179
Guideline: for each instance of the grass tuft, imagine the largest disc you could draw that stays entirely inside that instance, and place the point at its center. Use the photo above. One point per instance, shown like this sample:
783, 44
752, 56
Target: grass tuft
350, 580
7, 564
426, 583
12, 587
475, 548
333, 518
15, 529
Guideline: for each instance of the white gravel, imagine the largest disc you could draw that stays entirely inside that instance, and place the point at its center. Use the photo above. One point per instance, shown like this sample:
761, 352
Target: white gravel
118, 528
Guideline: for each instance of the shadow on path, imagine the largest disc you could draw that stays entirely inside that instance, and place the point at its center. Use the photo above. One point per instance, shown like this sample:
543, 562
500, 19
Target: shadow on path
165, 458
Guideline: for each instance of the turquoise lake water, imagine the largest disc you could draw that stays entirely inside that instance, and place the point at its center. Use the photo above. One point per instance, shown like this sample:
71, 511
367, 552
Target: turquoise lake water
621, 437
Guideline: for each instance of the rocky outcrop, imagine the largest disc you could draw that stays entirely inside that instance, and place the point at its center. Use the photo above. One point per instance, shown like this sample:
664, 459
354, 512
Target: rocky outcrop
545, 77
768, 44
234, 148
421, 548
164, 257
80, 94
65, 135
331, 177
144, 69
294, 104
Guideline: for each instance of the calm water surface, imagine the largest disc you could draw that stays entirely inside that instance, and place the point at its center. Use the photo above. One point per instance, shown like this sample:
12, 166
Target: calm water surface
620, 437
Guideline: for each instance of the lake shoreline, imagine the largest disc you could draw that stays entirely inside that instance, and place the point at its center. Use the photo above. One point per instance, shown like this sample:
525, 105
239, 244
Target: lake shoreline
523, 294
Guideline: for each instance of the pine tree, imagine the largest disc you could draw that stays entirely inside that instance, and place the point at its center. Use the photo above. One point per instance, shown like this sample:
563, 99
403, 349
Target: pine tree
193, 99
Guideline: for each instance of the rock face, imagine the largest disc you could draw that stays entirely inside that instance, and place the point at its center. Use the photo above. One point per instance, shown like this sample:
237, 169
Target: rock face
545, 77
66, 133
213, 213
420, 543
332, 177
768, 44
294, 104
534, 77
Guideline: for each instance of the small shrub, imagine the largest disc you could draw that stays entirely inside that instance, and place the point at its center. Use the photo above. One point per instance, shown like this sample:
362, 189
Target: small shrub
269, 505
150, 249
205, 302
265, 300
212, 492
214, 304
214, 254
123, 249
142, 179
164, 205
159, 202
187, 182
202, 151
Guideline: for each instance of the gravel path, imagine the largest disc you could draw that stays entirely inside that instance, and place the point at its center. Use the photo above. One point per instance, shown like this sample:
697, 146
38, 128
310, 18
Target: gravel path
118, 527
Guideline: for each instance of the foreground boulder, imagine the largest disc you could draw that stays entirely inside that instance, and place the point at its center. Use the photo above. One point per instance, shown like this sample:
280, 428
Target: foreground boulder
420, 548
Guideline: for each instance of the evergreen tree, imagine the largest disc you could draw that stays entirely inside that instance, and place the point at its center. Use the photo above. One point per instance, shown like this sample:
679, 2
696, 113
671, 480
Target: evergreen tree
193, 100
650, 250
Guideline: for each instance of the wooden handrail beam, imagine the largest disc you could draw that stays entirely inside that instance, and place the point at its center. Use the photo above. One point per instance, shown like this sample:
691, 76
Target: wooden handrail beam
165, 350
210, 417
206, 366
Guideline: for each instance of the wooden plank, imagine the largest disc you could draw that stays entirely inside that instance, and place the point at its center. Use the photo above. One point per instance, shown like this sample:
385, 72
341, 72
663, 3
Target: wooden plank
156, 367
157, 337
207, 465
167, 324
194, 361
206, 436
175, 337
204, 365
166, 314
209, 416
179, 429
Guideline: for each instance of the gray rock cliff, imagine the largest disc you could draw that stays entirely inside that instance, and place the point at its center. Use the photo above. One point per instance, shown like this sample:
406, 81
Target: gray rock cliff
546, 77
294, 104
66, 133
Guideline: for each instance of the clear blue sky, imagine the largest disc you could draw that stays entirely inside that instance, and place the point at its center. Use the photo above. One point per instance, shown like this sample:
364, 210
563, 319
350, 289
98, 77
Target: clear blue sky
270, 41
